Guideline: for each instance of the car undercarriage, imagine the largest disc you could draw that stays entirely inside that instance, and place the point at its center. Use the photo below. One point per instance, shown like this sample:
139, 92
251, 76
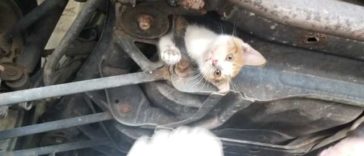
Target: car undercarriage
83, 77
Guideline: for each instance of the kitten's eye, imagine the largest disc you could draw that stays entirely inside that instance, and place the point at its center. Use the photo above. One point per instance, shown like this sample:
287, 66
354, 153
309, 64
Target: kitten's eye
229, 57
217, 72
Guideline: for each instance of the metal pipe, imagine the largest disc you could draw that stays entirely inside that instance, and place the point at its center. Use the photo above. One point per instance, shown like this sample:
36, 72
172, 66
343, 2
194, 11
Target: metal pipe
57, 148
54, 125
332, 17
70, 36
79, 87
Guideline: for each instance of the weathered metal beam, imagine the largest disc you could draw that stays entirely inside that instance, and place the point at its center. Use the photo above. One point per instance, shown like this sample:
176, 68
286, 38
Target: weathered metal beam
70, 36
79, 87
55, 125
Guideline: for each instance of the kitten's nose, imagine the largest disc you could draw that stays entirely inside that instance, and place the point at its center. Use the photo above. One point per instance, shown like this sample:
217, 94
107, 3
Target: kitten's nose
214, 62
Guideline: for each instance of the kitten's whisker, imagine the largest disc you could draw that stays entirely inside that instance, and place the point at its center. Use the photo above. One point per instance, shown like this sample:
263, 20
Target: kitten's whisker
196, 80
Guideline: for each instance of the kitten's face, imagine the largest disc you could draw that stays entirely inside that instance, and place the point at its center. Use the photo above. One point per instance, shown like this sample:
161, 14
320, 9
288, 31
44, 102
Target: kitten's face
224, 59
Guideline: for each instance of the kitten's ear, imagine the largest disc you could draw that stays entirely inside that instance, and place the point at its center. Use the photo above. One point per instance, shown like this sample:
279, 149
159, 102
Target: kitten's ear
252, 57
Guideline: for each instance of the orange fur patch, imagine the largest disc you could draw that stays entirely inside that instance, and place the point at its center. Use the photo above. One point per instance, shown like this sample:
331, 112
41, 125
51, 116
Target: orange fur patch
236, 50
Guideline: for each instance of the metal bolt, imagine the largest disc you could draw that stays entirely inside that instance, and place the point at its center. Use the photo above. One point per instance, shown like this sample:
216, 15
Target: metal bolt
145, 22
11, 72
124, 108
193, 4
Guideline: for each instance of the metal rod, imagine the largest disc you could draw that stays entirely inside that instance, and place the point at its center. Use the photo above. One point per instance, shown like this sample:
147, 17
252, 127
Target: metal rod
54, 125
77, 87
57, 148
75, 29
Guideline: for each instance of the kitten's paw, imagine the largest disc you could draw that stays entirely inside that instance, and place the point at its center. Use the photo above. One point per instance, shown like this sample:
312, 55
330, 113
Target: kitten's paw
193, 4
171, 55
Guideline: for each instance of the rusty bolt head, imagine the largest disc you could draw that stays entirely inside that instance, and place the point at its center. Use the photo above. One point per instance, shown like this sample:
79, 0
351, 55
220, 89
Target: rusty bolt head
193, 4
124, 108
145, 22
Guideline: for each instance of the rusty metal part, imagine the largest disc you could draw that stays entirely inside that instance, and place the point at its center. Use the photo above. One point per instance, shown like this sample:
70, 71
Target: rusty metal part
124, 108
145, 22
192, 4
314, 38
187, 81
336, 17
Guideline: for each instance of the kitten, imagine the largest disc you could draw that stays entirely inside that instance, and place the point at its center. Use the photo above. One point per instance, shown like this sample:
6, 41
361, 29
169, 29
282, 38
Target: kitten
180, 142
219, 57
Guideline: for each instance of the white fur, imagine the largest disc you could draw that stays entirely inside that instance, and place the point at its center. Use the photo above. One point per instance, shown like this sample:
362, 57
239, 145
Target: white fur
198, 40
202, 43
180, 142
169, 53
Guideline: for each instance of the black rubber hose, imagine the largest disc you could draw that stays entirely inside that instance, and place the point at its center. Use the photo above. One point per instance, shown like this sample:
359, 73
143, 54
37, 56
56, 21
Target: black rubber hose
37, 40
33, 16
